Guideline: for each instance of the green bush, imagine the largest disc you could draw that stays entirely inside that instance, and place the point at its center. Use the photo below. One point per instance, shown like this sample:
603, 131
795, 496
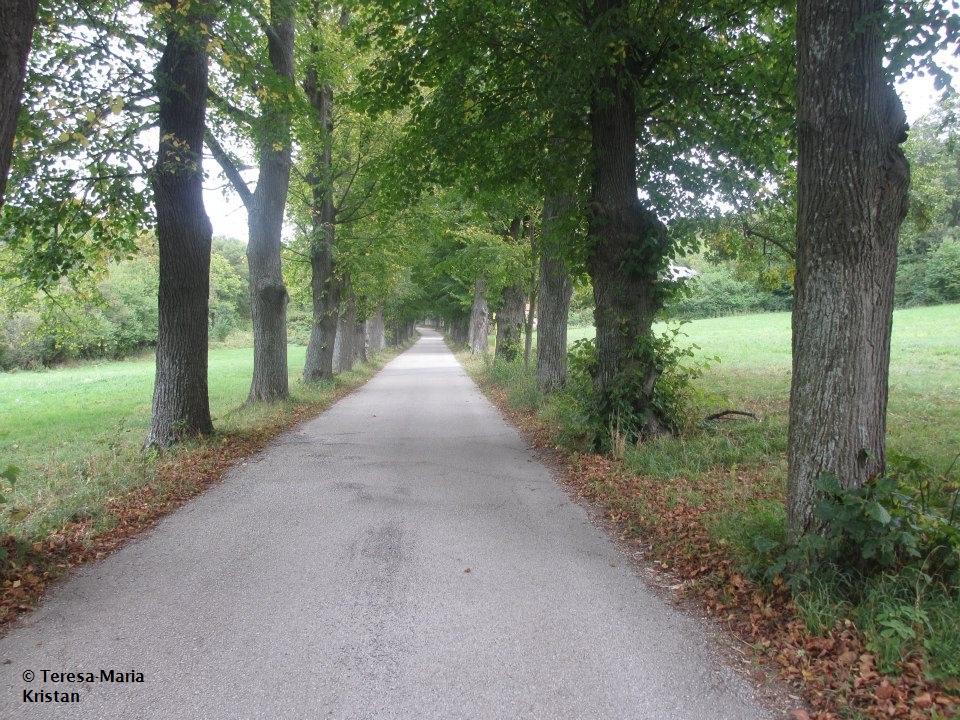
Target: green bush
130, 315
116, 316
716, 292
932, 278
908, 517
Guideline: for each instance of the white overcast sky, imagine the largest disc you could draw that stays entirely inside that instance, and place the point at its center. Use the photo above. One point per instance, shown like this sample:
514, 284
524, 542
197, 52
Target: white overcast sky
229, 217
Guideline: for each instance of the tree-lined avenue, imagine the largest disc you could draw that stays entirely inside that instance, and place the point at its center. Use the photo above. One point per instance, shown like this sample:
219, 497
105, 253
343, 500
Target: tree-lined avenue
401, 555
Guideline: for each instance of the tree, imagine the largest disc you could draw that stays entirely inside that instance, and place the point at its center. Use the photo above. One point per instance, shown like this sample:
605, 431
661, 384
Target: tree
17, 19
510, 315
682, 101
853, 181
555, 289
181, 406
324, 285
275, 89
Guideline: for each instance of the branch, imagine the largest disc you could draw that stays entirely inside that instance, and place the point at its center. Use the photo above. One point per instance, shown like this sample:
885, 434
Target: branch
751, 232
353, 176
264, 22
229, 169
725, 413
221, 103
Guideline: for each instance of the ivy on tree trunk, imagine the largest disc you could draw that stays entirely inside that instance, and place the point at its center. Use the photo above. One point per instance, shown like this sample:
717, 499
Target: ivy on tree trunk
479, 318
628, 248
324, 285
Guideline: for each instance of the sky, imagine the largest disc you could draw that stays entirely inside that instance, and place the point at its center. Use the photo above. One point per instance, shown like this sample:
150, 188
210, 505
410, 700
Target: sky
229, 217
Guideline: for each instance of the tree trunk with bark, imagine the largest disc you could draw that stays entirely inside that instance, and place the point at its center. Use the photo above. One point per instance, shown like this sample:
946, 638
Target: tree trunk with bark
555, 290
360, 342
375, 332
510, 323
181, 406
346, 331
528, 320
626, 257
268, 293
324, 285
479, 319
460, 330
17, 20
852, 196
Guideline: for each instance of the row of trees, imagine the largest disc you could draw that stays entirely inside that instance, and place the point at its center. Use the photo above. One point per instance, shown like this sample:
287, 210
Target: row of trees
447, 155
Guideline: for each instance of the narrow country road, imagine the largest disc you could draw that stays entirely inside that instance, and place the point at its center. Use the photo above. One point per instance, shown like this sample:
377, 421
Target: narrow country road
403, 555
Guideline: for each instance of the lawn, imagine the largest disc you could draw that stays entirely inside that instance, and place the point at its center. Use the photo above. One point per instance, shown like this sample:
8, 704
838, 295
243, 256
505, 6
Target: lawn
754, 373
76, 432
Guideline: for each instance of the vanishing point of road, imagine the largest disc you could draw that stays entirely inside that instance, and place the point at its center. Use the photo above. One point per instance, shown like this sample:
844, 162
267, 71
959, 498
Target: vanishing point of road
402, 555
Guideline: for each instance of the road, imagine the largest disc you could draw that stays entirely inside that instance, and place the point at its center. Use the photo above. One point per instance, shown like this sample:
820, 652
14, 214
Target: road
403, 555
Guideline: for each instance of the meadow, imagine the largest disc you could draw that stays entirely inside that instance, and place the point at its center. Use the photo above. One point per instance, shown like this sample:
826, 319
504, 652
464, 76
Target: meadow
753, 373
75, 433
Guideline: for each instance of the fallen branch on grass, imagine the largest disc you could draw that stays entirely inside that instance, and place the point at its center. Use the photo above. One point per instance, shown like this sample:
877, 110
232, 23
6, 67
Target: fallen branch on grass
725, 413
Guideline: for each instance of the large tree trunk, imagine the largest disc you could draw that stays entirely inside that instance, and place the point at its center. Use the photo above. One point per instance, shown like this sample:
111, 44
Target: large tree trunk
510, 323
17, 19
479, 319
268, 294
626, 257
324, 285
852, 196
554, 291
181, 407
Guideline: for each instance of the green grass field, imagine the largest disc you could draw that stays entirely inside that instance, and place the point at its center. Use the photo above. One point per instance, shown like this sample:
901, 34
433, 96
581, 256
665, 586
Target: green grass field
754, 373
76, 432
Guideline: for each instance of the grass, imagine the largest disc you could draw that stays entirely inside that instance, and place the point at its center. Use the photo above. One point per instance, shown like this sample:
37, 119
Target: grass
728, 477
754, 373
76, 432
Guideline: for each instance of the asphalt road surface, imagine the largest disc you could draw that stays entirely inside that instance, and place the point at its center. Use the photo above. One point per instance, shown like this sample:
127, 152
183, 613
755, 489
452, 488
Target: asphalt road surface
403, 555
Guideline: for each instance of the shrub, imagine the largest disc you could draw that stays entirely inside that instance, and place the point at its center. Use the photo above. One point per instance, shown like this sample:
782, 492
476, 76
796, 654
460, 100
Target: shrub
932, 278
716, 292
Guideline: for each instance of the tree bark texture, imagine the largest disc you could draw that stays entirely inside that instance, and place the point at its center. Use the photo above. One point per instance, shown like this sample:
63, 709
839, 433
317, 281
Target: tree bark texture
555, 290
375, 332
360, 342
510, 323
324, 285
346, 332
268, 294
528, 320
852, 196
628, 246
479, 319
17, 20
460, 330
181, 406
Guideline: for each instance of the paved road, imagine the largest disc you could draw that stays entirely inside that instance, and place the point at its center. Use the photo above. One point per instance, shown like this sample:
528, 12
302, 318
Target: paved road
403, 555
